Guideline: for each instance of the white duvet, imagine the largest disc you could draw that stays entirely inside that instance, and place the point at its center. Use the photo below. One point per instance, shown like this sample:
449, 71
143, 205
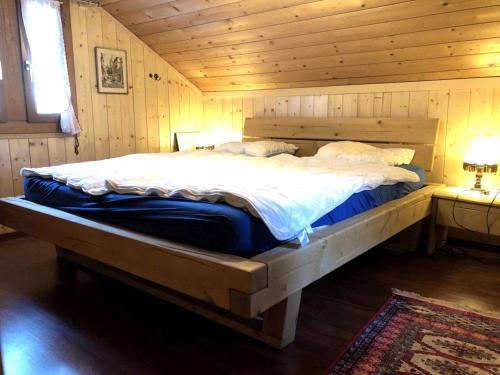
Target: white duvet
287, 192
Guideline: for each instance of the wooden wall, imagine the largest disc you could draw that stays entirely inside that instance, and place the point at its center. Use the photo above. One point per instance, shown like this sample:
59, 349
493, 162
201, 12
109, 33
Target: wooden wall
468, 108
142, 121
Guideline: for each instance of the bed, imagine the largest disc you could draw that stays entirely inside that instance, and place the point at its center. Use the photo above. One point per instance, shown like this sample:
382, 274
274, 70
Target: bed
214, 226
258, 295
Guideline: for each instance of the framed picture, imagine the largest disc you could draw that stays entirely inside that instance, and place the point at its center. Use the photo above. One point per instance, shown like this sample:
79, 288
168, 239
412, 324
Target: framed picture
111, 68
185, 141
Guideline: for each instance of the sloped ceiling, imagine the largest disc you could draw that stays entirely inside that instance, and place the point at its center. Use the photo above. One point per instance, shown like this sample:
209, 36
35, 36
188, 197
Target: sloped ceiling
225, 45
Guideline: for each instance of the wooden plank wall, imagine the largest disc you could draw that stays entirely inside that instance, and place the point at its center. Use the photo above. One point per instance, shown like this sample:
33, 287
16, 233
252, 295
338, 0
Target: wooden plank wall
468, 108
114, 125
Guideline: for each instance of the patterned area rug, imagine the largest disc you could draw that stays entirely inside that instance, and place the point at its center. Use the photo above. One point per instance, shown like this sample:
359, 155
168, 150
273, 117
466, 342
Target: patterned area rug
417, 335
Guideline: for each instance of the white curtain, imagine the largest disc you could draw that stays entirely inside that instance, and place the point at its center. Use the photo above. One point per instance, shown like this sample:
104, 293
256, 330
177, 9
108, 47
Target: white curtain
49, 71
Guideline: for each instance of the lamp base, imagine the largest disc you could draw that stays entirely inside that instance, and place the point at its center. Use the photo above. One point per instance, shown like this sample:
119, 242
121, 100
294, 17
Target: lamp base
477, 186
480, 190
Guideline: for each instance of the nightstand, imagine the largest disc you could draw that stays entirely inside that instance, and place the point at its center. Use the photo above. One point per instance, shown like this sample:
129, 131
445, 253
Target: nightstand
462, 208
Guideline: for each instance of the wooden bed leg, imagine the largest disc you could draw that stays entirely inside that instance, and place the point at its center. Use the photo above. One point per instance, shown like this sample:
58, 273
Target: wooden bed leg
280, 321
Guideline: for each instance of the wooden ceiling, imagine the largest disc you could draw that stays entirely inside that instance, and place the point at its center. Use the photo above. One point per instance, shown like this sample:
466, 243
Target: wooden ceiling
225, 45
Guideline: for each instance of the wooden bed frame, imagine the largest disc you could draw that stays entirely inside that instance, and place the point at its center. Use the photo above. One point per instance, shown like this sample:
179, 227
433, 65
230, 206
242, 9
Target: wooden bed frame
260, 296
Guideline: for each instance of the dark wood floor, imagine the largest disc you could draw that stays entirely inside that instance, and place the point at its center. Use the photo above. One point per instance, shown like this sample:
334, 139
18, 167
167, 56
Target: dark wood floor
58, 320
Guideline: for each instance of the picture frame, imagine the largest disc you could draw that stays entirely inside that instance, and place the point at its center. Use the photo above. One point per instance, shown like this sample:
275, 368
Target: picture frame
186, 141
111, 71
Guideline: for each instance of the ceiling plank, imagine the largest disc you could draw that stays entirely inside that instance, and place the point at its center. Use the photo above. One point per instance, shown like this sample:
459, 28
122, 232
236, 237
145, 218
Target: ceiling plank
423, 38
225, 13
285, 14
236, 45
344, 21
360, 71
169, 9
116, 8
396, 55
415, 77
434, 22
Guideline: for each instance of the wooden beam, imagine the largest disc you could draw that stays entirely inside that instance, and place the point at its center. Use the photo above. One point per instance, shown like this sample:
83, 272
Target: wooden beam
291, 268
211, 275
276, 328
356, 129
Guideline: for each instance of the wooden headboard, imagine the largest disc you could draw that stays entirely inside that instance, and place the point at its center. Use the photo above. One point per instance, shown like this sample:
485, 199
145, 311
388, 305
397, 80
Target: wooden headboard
312, 133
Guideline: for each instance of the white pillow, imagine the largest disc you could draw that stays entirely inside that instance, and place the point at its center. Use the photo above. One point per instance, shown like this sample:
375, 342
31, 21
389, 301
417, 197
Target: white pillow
398, 156
356, 151
352, 151
232, 147
269, 148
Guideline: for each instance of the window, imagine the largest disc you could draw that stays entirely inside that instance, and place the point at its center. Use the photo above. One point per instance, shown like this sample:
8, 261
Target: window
44, 59
36, 67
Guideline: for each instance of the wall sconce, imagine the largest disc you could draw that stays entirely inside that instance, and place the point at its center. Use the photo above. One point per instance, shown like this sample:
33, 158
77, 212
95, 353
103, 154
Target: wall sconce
482, 157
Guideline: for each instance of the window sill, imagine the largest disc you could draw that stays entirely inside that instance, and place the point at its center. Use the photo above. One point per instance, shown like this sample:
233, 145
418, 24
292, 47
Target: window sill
23, 129
33, 135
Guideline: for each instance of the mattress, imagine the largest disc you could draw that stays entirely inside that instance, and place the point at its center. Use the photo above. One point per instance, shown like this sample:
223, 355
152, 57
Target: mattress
215, 226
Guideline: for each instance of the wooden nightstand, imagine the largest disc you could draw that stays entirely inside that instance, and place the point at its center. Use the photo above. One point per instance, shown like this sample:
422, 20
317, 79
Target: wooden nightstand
459, 207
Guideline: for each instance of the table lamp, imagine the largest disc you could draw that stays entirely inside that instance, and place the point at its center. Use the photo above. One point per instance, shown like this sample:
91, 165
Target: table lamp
482, 157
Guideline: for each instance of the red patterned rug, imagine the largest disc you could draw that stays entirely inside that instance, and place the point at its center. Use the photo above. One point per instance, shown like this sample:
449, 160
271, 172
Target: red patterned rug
417, 335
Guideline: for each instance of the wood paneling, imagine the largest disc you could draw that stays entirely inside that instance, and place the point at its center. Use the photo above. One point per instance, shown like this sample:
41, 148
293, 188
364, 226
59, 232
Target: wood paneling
6, 187
19, 157
467, 109
229, 45
113, 125
12, 73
